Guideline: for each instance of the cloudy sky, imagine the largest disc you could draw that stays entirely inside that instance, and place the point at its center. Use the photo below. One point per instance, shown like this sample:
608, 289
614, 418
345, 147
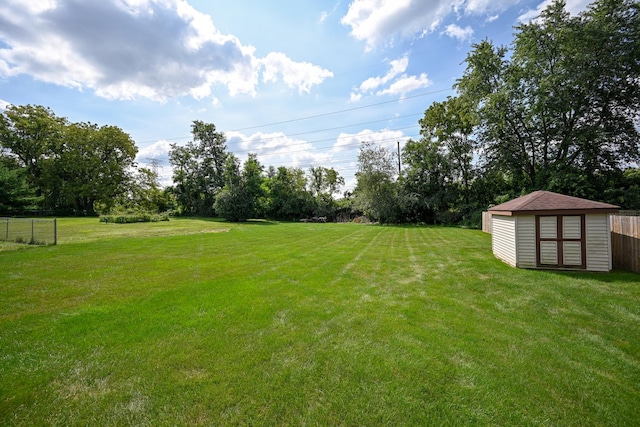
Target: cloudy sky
299, 82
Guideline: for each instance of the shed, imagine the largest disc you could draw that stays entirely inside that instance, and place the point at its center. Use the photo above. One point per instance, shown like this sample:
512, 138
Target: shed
553, 231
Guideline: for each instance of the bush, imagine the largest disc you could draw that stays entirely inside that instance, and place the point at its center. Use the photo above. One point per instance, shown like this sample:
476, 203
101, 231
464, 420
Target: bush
133, 218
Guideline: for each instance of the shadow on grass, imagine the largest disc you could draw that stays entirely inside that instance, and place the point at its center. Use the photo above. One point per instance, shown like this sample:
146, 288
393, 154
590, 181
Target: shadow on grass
611, 277
258, 222
223, 221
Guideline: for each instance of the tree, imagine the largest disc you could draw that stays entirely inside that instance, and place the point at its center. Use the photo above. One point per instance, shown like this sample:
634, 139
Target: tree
144, 194
239, 199
92, 165
71, 165
376, 189
324, 183
198, 169
451, 123
324, 180
439, 168
15, 191
253, 181
426, 183
30, 135
288, 197
561, 113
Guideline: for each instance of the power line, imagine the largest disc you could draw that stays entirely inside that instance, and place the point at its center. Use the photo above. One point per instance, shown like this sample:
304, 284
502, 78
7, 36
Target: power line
363, 136
327, 114
404, 98
344, 126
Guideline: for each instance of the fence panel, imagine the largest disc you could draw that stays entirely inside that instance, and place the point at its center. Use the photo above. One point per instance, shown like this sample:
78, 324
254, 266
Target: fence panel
29, 230
486, 223
625, 242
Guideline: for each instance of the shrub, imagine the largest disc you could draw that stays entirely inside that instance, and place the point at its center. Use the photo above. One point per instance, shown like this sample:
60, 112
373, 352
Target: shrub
133, 218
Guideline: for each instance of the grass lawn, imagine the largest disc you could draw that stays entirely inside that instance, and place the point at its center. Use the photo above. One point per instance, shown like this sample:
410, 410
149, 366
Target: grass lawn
195, 322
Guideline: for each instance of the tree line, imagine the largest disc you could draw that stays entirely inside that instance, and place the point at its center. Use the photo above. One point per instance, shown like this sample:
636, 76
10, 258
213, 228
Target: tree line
210, 181
557, 110
48, 164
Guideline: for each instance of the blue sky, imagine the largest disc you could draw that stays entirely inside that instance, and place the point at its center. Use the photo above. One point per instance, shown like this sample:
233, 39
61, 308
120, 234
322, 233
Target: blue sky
300, 83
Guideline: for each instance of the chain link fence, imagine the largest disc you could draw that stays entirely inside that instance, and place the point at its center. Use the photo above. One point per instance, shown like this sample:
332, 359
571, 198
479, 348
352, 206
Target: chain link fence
29, 231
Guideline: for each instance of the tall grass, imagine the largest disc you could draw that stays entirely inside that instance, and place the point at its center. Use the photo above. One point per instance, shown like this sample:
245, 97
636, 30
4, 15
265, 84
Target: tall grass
196, 322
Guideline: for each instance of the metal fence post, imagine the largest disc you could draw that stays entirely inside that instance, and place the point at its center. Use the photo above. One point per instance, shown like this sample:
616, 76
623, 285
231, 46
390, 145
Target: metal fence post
7, 239
55, 231
32, 233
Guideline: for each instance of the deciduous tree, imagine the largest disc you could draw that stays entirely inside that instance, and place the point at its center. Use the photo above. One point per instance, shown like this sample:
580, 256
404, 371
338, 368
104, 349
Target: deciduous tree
376, 192
198, 169
561, 112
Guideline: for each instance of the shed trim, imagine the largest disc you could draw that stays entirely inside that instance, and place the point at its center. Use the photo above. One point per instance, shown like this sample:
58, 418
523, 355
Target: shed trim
555, 212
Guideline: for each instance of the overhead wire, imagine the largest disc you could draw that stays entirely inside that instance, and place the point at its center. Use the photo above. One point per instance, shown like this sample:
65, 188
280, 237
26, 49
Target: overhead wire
325, 115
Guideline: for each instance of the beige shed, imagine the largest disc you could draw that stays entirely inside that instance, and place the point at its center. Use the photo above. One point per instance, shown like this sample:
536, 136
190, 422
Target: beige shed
553, 231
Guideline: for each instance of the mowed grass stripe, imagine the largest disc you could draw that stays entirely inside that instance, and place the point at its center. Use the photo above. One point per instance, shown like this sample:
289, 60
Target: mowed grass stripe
298, 324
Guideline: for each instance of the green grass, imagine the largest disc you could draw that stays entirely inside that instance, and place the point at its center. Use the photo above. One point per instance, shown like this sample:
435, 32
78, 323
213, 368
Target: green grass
196, 322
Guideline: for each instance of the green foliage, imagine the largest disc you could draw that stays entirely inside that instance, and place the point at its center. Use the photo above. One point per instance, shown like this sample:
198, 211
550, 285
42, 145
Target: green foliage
133, 218
287, 194
239, 199
559, 114
15, 191
31, 135
144, 194
324, 183
92, 164
199, 169
71, 165
376, 192
557, 111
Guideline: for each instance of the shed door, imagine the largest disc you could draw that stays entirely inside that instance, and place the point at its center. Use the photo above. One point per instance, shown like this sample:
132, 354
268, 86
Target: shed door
560, 241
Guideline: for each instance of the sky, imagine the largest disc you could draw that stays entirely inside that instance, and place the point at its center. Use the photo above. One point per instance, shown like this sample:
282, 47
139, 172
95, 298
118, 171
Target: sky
300, 83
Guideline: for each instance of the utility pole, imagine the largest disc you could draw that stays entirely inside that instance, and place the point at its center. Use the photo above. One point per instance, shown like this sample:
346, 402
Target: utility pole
399, 161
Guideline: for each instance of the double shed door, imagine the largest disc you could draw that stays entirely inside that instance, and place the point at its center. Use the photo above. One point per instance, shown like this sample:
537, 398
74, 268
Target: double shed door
560, 241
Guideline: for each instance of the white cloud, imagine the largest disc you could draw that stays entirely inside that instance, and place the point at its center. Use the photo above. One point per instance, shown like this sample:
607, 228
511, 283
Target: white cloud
277, 149
381, 22
378, 22
352, 141
456, 32
480, 7
157, 152
355, 97
125, 49
398, 66
401, 83
572, 6
407, 84
326, 14
301, 75
4, 104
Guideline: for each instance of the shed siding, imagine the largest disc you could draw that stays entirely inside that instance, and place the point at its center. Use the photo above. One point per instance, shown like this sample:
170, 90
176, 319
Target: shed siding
571, 227
503, 238
598, 242
526, 241
572, 253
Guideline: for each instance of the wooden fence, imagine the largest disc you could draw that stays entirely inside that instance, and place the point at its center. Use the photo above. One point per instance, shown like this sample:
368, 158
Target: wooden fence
486, 222
625, 242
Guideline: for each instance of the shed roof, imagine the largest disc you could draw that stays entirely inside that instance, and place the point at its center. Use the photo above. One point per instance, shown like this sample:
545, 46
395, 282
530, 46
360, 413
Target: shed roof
549, 203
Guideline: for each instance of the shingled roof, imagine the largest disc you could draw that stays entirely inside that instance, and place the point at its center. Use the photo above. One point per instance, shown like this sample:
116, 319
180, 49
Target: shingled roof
549, 203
